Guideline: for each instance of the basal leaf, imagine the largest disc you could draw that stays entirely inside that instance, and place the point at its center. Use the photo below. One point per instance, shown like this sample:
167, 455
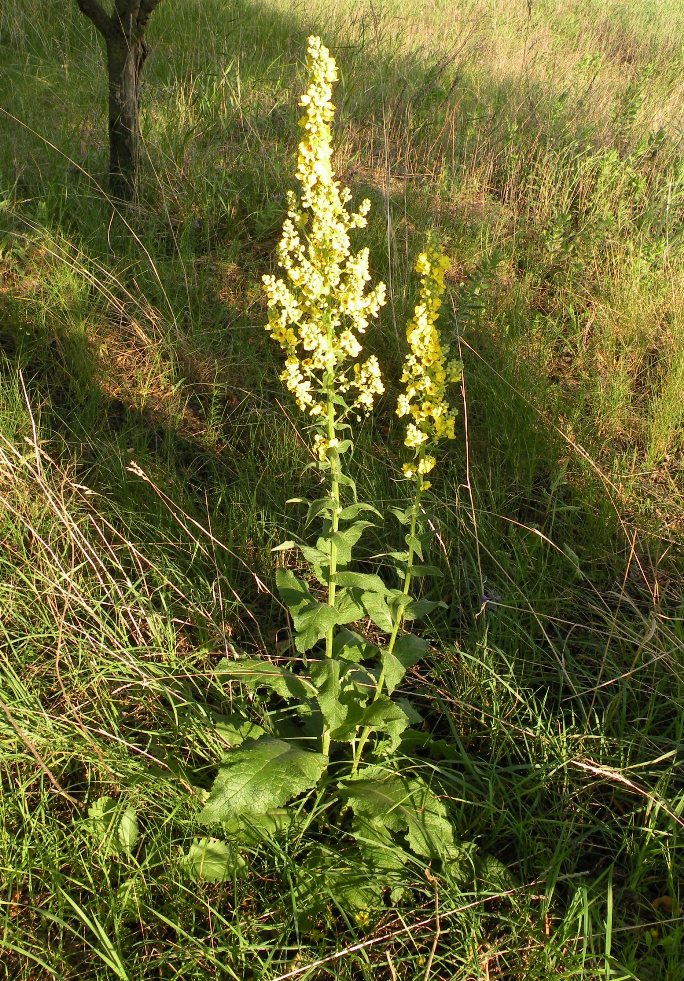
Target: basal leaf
259, 776
234, 729
404, 804
211, 860
127, 832
378, 845
251, 829
255, 673
377, 794
429, 832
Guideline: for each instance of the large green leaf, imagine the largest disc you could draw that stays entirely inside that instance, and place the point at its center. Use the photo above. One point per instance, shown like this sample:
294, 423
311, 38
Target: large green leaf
234, 729
354, 510
319, 561
260, 776
311, 619
255, 673
404, 804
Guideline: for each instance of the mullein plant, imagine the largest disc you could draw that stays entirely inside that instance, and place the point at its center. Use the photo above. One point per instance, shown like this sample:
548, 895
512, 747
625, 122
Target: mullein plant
348, 730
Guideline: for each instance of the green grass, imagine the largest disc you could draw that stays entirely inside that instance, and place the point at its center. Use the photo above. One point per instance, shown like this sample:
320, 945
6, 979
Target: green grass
147, 451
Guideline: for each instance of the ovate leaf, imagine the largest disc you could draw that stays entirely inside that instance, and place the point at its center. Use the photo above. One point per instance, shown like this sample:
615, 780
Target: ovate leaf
347, 606
127, 832
260, 776
354, 510
211, 860
382, 715
407, 805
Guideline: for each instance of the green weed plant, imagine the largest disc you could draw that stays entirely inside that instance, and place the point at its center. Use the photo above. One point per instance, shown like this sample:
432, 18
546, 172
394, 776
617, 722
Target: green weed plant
344, 735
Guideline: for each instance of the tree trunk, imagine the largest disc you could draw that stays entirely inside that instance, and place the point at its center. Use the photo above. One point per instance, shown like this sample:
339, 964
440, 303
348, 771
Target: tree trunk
125, 57
124, 35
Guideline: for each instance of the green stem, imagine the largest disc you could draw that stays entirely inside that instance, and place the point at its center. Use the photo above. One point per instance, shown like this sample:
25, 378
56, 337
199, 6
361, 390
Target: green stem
334, 458
399, 618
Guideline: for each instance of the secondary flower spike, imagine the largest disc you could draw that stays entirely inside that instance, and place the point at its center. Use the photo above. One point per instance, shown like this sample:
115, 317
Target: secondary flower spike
427, 370
322, 305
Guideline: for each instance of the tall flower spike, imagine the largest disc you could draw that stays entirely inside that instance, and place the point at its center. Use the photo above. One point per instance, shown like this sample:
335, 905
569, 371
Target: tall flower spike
320, 307
427, 370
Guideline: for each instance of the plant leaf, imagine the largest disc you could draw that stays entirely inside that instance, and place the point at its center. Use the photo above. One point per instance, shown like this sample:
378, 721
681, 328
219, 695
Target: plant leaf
382, 715
311, 619
260, 776
408, 805
211, 860
346, 540
127, 832
326, 675
348, 608
255, 673
323, 505
361, 580
417, 609
408, 650
375, 606
351, 646
354, 510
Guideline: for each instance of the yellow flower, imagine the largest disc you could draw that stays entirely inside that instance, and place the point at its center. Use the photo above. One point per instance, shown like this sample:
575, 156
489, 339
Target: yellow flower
427, 370
320, 307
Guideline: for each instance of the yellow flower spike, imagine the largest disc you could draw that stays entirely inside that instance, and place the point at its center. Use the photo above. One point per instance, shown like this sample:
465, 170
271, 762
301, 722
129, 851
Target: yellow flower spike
427, 370
322, 304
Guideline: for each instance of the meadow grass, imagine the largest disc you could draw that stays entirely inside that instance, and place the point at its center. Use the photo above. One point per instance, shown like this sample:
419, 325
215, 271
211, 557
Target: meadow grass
147, 451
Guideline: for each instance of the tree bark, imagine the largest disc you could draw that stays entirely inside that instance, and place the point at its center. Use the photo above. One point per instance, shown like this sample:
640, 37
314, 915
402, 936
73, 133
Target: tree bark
124, 36
125, 58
